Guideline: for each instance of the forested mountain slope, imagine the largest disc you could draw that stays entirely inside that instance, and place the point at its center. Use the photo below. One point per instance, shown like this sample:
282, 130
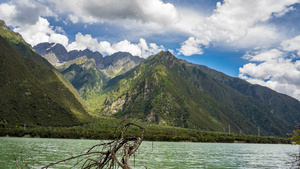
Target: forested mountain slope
32, 90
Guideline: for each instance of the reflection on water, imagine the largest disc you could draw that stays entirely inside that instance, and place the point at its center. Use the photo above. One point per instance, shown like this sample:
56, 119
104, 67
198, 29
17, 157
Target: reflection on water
154, 155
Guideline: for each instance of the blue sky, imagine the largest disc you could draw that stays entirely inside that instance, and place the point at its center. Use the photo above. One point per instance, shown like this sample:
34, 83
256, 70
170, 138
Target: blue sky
255, 40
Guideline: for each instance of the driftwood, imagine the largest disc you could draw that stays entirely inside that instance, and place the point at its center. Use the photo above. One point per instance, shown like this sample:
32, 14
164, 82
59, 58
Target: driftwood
109, 154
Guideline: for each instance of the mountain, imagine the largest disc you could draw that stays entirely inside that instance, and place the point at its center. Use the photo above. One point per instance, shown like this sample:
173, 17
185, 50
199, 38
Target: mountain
57, 54
170, 91
119, 63
52, 50
86, 70
32, 90
88, 78
111, 65
89, 54
84, 75
279, 105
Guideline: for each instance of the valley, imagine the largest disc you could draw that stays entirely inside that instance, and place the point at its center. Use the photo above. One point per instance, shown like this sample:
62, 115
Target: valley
160, 90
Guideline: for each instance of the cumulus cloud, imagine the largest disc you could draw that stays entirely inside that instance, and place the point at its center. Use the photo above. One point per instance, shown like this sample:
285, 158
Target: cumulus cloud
191, 46
102, 10
23, 12
141, 49
40, 32
275, 68
292, 45
234, 20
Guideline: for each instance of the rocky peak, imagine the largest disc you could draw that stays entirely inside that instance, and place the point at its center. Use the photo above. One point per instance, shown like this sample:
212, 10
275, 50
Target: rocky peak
52, 48
89, 54
165, 55
112, 59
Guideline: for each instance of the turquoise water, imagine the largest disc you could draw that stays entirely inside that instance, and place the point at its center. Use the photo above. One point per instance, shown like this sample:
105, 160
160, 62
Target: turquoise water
154, 155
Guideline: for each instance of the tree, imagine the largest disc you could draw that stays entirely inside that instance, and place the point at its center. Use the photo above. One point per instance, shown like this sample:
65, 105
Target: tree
296, 138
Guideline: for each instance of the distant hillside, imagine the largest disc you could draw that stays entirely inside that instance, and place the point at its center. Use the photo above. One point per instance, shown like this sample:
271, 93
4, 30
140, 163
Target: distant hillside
86, 70
32, 90
84, 75
119, 63
281, 106
111, 65
57, 54
169, 91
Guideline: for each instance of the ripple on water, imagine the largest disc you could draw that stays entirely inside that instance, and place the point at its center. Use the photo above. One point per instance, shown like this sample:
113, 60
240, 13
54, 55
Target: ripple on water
163, 154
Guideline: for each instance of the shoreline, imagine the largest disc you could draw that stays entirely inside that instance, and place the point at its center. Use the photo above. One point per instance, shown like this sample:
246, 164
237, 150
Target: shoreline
186, 141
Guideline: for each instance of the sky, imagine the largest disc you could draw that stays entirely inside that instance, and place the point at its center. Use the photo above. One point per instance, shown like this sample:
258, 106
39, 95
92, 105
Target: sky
255, 40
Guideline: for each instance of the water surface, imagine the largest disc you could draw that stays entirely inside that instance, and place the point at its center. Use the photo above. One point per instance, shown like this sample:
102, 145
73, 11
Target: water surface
154, 155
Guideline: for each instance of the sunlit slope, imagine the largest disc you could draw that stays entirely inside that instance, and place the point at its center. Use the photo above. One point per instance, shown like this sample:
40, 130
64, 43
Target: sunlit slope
169, 91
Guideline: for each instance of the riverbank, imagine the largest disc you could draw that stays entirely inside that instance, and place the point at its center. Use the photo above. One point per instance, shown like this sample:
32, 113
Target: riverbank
153, 133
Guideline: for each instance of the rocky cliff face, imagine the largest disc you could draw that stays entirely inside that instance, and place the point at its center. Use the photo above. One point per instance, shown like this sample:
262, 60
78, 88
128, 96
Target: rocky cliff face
51, 50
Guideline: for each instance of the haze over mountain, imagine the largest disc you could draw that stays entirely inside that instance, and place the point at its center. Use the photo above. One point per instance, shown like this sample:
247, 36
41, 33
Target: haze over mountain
32, 90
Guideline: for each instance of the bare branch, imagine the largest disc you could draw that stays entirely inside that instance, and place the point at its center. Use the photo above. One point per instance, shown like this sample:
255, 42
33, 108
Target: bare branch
105, 155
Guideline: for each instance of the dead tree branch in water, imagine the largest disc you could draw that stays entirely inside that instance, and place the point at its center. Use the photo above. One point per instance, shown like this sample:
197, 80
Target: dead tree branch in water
22, 160
109, 154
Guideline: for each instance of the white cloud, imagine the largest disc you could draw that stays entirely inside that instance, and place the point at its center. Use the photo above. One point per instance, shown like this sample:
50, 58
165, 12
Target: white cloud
126, 46
141, 49
275, 68
292, 44
234, 20
74, 18
6, 11
154, 49
190, 47
91, 11
40, 32
58, 38
82, 42
258, 37
23, 12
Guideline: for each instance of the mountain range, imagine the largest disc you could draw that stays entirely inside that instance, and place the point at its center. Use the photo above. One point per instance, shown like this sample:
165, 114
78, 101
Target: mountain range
170, 91
166, 90
86, 70
161, 89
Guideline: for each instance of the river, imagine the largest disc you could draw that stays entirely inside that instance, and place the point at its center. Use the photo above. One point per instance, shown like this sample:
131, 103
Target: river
154, 155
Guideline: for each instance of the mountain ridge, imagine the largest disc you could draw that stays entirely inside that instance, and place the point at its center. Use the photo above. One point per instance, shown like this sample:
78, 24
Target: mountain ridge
162, 82
169, 91
86, 70
32, 91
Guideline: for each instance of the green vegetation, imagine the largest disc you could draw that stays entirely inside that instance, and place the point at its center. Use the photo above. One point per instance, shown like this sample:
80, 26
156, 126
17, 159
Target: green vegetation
266, 104
104, 128
84, 75
296, 136
31, 90
168, 91
162, 90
